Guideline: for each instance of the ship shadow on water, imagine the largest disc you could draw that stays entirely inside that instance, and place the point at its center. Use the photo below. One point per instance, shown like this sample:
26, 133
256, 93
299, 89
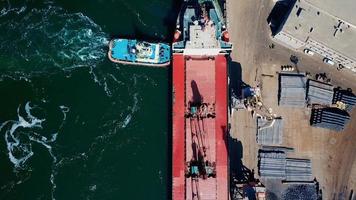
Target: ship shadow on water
140, 35
149, 35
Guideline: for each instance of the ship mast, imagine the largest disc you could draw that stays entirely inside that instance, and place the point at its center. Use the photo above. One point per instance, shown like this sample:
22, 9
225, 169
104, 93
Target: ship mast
217, 9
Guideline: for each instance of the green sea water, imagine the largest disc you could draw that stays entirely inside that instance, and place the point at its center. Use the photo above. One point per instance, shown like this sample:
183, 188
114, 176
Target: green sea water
73, 125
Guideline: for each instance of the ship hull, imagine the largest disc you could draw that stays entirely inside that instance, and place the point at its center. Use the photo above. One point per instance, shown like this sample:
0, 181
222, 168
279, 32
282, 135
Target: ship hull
200, 51
210, 84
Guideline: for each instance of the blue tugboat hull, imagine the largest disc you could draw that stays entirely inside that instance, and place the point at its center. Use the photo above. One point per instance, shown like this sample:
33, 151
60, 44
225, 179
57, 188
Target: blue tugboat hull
135, 52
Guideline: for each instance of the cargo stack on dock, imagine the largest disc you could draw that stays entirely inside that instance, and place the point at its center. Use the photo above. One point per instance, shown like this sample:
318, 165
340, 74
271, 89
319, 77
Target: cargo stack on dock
274, 164
200, 49
292, 89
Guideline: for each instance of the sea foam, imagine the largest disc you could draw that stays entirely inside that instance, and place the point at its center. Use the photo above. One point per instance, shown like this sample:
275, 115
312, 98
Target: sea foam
22, 133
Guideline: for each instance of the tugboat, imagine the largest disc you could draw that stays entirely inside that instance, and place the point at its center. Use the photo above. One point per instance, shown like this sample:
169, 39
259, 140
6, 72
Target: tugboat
133, 52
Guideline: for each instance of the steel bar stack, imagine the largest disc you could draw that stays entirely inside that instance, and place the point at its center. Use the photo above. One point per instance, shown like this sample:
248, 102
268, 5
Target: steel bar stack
292, 88
298, 170
269, 132
329, 118
346, 97
320, 93
275, 165
272, 164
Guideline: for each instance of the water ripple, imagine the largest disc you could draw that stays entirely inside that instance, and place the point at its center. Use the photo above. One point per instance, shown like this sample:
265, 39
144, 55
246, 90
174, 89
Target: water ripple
50, 37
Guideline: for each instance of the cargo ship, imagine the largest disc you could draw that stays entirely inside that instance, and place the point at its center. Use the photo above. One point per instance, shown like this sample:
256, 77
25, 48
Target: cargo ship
200, 66
134, 52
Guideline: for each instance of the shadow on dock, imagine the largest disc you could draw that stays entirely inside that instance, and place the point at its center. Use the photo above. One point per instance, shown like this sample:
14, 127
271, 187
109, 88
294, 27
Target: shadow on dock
238, 171
236, 84
235, 75
241, 178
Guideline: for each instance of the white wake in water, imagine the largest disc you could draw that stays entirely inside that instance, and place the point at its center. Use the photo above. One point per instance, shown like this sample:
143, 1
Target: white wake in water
133, 109
20, 152
20, 135
42, 38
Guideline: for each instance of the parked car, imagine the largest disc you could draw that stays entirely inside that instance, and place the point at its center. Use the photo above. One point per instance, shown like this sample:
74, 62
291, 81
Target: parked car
308, 52
340, 67
287, 68
328, 61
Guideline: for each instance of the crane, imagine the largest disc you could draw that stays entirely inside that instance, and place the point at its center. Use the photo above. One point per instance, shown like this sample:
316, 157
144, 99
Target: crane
200, 165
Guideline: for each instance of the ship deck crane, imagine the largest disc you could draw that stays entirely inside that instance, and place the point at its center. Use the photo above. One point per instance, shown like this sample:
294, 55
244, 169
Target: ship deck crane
200, 165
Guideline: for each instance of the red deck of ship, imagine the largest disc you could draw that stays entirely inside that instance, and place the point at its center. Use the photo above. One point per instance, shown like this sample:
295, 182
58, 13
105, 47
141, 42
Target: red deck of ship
205, 79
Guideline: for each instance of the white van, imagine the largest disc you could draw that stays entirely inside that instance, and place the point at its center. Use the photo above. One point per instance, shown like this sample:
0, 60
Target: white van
308, 52
328, 61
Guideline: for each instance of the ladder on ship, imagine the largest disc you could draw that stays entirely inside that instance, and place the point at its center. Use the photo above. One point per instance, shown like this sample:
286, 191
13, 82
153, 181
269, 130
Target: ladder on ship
199, 154
195, 188
199, 137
